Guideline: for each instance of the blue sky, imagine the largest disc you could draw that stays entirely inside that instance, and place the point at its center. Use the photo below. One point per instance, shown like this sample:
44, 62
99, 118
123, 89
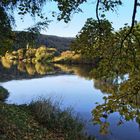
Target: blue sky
123, 15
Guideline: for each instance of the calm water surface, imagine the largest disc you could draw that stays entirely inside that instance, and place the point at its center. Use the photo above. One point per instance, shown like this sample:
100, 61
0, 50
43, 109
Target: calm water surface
74, 90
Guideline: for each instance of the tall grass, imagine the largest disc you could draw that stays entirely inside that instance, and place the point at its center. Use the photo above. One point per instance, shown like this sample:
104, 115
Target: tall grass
60, 121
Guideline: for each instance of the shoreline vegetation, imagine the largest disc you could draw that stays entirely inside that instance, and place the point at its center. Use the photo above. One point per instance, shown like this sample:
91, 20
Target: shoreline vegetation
43, 54
40, 120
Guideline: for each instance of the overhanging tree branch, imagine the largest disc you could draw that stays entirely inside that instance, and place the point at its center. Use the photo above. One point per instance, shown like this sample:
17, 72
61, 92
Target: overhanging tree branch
97, 11
133, 22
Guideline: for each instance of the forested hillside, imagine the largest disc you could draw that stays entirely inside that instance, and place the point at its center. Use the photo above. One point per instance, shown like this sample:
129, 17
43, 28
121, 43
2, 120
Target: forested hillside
60, 43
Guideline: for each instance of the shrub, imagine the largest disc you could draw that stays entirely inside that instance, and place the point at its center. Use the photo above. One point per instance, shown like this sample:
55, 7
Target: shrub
3, 94
60, 121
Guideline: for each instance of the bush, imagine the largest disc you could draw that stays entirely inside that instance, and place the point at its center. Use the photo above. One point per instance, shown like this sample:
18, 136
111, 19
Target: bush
3, 94
60, 121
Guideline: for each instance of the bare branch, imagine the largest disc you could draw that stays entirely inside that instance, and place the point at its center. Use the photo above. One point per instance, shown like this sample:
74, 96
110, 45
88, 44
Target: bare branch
97, 11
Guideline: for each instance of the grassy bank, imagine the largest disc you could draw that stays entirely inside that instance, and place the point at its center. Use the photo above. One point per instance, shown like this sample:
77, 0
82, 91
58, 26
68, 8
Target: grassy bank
40, 120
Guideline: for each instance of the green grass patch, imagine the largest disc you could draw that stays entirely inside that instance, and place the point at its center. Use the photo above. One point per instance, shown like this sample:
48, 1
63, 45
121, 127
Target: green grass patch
17, 123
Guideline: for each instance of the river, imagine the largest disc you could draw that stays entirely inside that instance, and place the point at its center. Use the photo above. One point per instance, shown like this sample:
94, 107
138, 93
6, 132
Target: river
72, 88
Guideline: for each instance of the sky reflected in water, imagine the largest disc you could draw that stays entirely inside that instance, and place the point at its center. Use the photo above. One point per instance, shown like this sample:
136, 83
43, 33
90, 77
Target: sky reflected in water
74, 91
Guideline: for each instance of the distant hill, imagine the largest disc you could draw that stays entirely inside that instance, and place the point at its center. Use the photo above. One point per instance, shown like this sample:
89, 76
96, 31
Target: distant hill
60, 43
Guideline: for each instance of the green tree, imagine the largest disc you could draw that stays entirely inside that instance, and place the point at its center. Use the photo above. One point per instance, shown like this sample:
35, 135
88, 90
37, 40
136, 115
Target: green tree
124, 100
93, 40
66, 9
6, 36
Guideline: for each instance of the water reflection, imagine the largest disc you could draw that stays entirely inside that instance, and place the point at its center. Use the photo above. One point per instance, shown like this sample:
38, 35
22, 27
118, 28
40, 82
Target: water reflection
11, 69
122, 96
30, 68
124, 99
121, 91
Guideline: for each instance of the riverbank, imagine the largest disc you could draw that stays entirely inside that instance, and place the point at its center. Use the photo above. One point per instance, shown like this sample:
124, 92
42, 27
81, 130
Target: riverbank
40, 120
69, 57
44, 55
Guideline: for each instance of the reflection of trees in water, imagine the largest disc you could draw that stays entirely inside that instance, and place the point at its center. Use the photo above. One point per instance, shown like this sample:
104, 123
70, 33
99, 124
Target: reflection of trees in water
122, 87
126, 105
20, 70
21, 66
123, 94
41, 69
30, 68
124, 98
80, 70
106, 86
